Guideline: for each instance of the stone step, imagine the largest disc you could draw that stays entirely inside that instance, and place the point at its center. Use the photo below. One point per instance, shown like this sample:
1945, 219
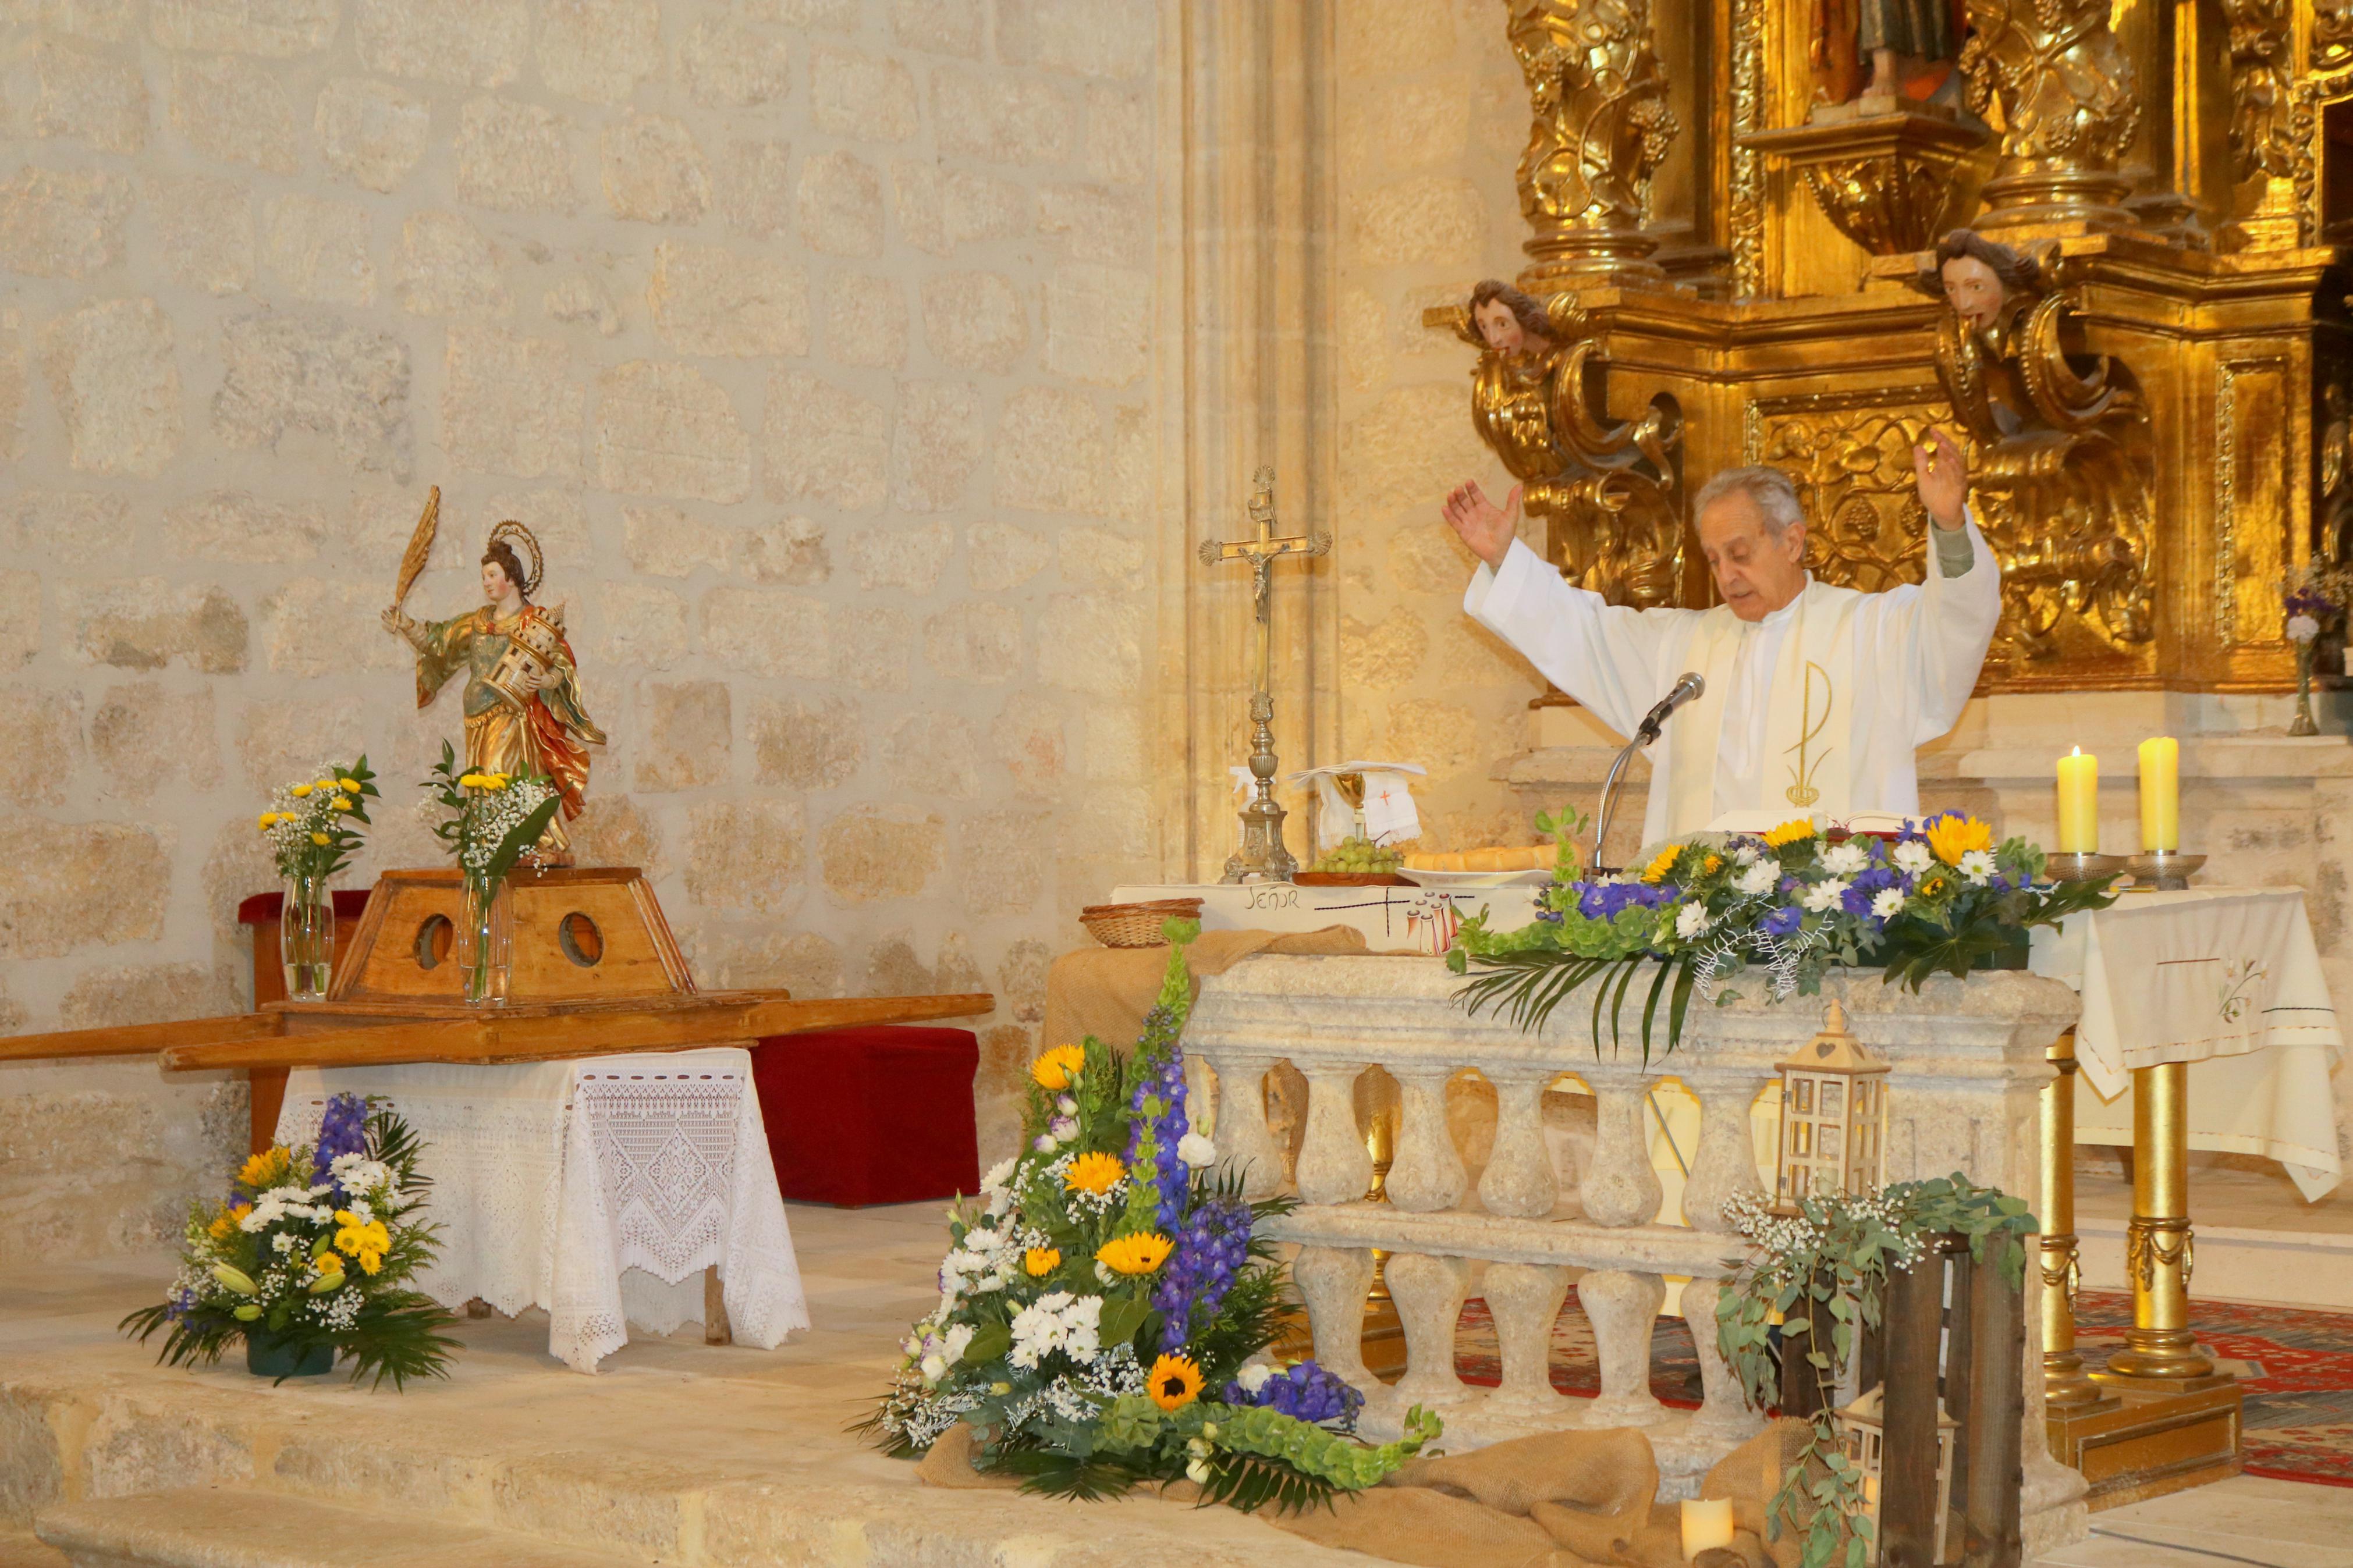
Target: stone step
224, 1527
22, 1549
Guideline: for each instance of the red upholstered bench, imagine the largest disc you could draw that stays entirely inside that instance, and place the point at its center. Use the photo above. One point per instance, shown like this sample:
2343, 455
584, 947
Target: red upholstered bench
875, 1115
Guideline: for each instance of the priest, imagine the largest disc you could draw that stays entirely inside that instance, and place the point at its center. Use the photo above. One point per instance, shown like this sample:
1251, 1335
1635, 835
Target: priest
1815, 696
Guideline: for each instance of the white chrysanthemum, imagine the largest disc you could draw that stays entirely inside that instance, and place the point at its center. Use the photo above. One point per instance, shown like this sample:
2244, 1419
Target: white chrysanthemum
1976, 868
1914, 857
1845, 858
1691, 919
1253, 1377
953, 1343
2301, 628
1887, 903
998, 1174
1758, 879
1745, 854
1824, 895
1197, 1151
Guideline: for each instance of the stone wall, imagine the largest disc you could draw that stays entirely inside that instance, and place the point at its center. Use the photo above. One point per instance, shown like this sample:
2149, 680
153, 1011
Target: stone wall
1431, 118
813, 339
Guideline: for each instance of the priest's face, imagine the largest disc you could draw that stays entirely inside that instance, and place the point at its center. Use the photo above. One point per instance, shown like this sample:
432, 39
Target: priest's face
1756, 572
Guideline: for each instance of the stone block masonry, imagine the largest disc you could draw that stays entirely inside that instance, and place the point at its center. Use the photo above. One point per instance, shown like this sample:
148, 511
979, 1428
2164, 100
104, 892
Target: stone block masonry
813, 338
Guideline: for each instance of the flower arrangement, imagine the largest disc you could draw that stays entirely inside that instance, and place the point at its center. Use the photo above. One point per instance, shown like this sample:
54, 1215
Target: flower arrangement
493, 817
313, 1253
313, 824
1826, 1265
1106, 1305
1939, 896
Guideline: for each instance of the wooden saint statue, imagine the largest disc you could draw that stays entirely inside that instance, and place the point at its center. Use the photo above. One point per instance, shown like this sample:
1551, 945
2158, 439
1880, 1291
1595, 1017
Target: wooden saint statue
1885, 48
523, 710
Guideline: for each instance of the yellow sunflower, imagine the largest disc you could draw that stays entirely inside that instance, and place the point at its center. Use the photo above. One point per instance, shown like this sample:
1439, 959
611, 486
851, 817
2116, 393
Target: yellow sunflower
1094, 1172
267, 1169
1662, 863
1174, 1383
1057, 1067
225, 1223
1953, 836
1792, 832
1138, 1254
1708, 867
1041, 1261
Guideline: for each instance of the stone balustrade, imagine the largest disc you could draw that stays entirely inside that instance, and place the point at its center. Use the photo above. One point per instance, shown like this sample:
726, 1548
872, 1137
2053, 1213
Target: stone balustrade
1967, 1065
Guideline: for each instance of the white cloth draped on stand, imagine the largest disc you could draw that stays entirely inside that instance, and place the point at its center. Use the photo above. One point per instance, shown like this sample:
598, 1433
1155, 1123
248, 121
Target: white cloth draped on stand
599, 1189
2226, 980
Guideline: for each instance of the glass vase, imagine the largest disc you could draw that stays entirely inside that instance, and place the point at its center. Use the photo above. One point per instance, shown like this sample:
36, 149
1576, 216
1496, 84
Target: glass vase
485, 946
2302, 723
306, 936
268, 1355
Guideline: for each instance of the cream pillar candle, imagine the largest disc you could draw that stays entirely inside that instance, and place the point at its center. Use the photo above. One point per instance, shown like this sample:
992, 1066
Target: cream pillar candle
2160, 792
1707, 1523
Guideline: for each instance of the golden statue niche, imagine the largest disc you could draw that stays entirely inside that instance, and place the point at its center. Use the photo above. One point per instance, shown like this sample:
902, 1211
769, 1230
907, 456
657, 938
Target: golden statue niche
523, 710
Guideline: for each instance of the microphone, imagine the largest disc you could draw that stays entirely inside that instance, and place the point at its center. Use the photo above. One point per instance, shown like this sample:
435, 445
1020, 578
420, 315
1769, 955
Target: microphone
1687, 686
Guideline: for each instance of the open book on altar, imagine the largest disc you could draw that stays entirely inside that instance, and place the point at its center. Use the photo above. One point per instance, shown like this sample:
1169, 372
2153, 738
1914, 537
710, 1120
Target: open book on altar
1763, 821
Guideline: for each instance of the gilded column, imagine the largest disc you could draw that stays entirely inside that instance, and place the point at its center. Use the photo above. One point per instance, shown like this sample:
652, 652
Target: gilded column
2066, 97
2160, 1350
1600, 125
2065, 1385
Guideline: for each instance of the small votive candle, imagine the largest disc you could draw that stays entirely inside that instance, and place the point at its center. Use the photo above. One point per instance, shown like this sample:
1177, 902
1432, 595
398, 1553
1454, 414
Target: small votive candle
2160, 793
1707, 1524
2079, 804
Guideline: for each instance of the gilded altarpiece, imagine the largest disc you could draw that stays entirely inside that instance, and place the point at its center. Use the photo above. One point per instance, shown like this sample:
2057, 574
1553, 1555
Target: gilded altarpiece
2170, 431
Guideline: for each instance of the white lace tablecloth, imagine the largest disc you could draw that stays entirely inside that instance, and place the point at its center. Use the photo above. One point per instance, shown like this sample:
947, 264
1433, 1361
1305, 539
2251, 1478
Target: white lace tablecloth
2226, 980
599, 1189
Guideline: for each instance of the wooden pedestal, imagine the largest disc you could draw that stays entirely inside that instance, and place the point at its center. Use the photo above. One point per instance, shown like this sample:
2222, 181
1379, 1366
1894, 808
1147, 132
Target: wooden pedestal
2154, 1444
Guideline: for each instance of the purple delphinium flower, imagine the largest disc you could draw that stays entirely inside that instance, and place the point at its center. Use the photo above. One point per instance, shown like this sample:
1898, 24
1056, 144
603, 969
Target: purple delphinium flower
1868, 885
342, 1131
1306, 1391
1607, 900
1784, 920
1211, 1248
2309, 601
1169, 1130
183, 1302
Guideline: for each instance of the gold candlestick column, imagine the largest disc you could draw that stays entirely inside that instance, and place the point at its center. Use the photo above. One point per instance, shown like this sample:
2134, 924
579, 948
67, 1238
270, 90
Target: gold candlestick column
2065, 1385
2159, 1351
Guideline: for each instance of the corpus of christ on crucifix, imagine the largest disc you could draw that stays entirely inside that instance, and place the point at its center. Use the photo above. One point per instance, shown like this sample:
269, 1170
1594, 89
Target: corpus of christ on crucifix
1437, 782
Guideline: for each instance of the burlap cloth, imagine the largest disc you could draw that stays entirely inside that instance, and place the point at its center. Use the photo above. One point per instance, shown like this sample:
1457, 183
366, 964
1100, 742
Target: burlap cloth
1561, 1500
1106, 991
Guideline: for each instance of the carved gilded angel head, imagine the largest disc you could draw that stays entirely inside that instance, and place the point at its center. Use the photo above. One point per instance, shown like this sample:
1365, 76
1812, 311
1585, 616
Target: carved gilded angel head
1509, 320
1981, 277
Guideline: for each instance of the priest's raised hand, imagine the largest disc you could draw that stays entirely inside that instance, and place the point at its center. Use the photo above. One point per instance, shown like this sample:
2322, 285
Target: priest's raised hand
1486, 528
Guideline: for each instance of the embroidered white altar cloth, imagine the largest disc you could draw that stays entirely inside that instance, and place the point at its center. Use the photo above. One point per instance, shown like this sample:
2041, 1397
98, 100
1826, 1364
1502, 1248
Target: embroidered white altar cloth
599, 1189
2226, 980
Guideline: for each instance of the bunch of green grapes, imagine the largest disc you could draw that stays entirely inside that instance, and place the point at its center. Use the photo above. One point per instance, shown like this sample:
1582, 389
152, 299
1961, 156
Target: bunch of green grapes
1361, 857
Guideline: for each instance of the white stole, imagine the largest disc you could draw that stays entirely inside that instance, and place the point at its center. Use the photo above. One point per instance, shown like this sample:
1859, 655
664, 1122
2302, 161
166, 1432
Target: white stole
1808, 768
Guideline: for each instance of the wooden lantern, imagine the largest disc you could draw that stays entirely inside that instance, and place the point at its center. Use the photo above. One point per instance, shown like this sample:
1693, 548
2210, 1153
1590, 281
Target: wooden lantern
1863, 1434
1833, 1118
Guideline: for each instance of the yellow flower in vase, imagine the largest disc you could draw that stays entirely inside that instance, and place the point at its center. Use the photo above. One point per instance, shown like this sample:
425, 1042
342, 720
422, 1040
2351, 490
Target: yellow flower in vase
349, 787
1792, 832
300, 792
267, 1169
1140, 1253
1662, 863
1175, 1382
1041, 1261
269, 820
321, 839
1093, 1174
342, 802
1953, 836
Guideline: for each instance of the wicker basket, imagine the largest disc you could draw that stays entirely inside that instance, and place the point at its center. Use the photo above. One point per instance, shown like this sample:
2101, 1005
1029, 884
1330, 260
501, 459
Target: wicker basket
1136, 925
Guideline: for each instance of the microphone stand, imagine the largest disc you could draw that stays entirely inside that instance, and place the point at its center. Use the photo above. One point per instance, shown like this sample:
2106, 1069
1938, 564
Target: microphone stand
1643, 737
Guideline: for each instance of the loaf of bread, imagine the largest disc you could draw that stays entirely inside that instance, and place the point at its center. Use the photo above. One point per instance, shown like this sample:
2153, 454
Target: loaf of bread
1510, 857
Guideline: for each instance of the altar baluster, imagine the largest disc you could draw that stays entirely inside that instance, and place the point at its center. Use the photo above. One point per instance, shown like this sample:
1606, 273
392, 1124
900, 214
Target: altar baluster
1333, 1166
1624, 1311
1428, 1292
1524, 1301
1427, 1172
1332, 1281
1724, 1413
1725, 1161
1519, 1178
1620, 1188
1242, 1133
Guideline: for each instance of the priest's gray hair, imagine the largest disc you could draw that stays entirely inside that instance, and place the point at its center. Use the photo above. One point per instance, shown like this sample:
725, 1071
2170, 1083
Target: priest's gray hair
1768, 489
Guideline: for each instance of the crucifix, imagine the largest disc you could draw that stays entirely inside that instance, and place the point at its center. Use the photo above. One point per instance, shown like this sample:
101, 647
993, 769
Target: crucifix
1262, 856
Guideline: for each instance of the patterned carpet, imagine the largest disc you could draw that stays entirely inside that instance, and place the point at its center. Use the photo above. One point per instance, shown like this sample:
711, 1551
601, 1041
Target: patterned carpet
2294, 1367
